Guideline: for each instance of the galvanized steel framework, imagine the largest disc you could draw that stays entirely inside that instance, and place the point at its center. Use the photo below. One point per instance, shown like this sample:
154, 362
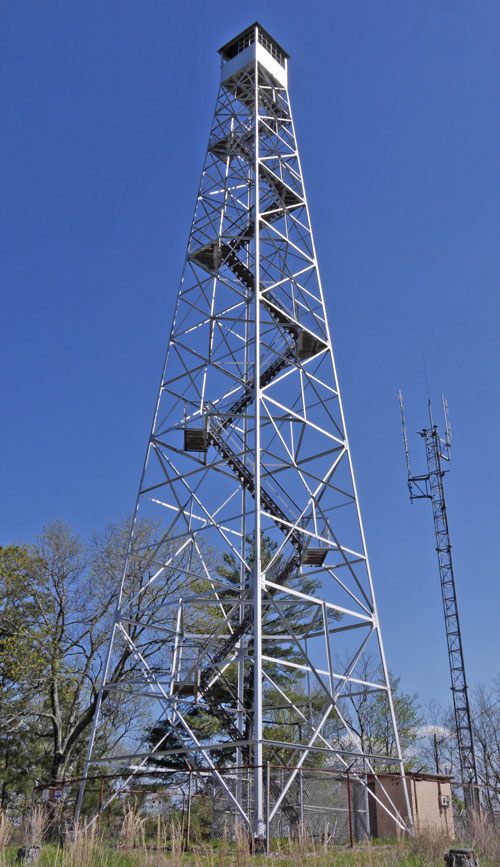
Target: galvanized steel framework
431, 486
248, 465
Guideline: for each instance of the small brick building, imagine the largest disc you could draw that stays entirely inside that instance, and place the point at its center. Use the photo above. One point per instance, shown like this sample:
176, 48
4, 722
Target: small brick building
430, 803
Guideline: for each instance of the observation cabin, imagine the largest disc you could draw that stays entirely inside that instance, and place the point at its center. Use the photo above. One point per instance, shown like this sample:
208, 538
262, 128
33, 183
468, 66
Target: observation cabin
253, 44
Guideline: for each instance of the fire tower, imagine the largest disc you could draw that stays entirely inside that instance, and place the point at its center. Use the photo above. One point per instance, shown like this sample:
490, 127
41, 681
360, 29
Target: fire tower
254, 581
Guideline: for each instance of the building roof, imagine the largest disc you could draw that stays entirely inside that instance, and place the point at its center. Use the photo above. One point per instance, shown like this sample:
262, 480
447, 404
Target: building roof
417, 775
262, 30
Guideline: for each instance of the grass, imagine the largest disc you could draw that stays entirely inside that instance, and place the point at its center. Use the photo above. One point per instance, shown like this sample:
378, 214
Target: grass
134, 848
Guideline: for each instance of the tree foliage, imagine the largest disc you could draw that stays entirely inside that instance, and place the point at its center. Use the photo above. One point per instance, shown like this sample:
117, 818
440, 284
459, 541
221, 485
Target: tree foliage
280, 721
438, 746
368, 715
58, 602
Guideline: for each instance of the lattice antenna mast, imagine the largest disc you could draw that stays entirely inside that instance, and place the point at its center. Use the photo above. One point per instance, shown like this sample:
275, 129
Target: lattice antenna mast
247, 606
431, 486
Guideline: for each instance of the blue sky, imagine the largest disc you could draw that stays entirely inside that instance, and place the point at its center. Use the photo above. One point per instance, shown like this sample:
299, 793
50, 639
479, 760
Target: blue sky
106, 114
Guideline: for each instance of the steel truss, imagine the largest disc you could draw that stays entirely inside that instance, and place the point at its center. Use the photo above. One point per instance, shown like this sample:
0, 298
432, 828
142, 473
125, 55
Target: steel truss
248, 480
431, 486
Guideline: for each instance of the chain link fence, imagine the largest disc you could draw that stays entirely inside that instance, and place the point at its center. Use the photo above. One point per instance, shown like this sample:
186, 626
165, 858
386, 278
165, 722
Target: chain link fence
334, 807
314, 803
318, 804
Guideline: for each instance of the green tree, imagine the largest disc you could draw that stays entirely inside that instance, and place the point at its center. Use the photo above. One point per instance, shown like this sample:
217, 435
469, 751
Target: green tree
19, 747
215, 711
59, 597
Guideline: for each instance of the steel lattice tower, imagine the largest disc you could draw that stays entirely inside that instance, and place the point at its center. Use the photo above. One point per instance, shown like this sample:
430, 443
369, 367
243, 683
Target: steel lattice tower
248, 465
431, 486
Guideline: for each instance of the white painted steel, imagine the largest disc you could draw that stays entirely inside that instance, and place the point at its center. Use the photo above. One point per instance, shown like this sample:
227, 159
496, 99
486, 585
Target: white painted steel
257, 534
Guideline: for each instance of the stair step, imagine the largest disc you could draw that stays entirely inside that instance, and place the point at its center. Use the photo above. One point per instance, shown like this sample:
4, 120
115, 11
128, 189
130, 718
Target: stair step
195, 440
314, 556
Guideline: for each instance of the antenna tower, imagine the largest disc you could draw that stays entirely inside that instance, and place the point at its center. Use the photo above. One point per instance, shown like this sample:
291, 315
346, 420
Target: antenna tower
431, 486
246, 600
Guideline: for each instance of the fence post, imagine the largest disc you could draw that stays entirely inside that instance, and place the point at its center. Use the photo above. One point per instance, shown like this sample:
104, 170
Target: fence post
101, 796
268, 786
349, 804
301, 803
188, 821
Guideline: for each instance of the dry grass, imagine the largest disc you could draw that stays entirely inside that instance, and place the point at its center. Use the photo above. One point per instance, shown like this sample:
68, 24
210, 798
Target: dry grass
484, 838
176, 843
429, 845
5, 834
242, 843
35, 826
5, 830
82, 850
132, 834
164, 846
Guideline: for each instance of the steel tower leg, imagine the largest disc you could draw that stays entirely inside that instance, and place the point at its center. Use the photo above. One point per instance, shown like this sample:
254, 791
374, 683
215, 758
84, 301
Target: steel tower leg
246, 575
259, 827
